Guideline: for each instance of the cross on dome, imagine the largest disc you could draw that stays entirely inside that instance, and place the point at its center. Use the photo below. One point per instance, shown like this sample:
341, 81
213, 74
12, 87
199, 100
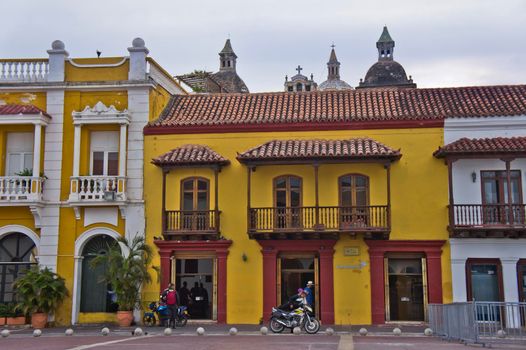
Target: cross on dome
299, 69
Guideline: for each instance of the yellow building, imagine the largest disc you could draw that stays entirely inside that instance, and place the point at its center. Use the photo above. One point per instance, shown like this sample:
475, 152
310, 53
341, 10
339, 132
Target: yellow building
71, 144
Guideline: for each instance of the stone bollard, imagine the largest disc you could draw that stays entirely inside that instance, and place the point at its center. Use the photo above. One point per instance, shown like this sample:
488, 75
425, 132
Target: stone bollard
232, 331
138, 332
428, 332
397, 331
329, 331
167, 331
296, 330
264, 330
5, 333
501, 333
105, 331
363, 332
68, 332
200, 331
37, 333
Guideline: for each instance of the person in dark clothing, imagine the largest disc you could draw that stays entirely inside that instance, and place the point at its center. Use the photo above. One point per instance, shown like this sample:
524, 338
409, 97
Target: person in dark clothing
195, 296
294, 301
170, 297
184, 294
204, 294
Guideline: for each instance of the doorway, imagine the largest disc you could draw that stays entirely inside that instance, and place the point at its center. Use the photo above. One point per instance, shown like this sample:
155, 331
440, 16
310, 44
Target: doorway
198, 275
294, 271
406, 291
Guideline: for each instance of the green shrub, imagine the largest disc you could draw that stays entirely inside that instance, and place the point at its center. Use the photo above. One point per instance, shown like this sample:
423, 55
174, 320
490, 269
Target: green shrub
40, 290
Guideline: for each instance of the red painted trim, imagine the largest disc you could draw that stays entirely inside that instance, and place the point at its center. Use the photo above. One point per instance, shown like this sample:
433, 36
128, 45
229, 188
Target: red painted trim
306, 126
168, 248
323, 248
377, 251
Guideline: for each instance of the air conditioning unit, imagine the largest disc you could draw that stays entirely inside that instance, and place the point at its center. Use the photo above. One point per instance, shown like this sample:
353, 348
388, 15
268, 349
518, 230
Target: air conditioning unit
109, 196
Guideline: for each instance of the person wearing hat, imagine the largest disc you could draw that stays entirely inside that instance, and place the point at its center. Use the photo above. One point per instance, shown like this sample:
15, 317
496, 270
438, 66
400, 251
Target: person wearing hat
309, 292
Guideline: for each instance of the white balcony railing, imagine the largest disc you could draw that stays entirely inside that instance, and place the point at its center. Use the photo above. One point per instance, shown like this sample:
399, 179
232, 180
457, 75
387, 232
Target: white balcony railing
97, 189
20, 188
24, 70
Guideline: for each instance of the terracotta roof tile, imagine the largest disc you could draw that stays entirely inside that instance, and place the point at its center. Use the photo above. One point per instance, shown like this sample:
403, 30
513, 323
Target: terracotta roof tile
365, 105
190, 155
351, 149
496, 145
14, 109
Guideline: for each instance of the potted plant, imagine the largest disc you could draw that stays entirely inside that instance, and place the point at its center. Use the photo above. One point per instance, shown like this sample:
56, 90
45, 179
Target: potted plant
126, 272
40, 292
13, 315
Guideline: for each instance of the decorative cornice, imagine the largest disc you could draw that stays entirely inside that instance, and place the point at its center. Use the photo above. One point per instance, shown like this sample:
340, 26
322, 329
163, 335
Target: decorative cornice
101, 114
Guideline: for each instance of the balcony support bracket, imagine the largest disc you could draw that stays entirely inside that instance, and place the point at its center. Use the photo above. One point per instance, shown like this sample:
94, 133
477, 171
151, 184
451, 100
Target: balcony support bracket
36, 210
122, 210
76, 209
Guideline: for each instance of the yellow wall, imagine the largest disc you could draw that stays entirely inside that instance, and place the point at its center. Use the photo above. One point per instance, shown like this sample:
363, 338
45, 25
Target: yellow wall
97, 73
417, 179
159, 97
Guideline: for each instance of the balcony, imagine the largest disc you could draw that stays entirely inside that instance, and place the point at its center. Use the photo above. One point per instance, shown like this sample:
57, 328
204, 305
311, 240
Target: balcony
20, 190
191, 224
487, 220
97, 190
316, 222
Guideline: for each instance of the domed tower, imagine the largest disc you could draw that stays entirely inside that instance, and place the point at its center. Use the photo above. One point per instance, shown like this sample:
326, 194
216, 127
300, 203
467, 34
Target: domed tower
300, 82
386, 72
333, 81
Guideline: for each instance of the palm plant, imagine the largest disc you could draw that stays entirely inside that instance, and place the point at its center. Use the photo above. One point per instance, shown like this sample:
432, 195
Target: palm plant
126, 271
40, 291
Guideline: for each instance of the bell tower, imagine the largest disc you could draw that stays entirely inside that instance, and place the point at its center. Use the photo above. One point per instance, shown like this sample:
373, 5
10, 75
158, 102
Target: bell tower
385, 46
227, 58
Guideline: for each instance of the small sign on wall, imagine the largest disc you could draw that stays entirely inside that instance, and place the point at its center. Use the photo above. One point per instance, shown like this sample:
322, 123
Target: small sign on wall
351, 251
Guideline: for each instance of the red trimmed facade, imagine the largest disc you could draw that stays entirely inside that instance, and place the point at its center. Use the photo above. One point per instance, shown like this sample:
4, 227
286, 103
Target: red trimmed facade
220, 248
377, 252
324, 249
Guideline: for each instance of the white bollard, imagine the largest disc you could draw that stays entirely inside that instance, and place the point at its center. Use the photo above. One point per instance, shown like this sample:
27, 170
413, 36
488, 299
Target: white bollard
105, 331
68, 332
232, 331
5, 333
363, 332
167, 331
264, 330
296, 330
428, 332
329, 331
37, 333
501, 333
200, 331
138, 332
397, 331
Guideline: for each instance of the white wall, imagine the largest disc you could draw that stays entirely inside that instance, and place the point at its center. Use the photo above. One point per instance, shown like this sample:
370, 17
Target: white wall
509, 251
456, 128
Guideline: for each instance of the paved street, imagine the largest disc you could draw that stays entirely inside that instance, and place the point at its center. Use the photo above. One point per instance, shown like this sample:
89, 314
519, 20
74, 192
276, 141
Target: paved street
217, 338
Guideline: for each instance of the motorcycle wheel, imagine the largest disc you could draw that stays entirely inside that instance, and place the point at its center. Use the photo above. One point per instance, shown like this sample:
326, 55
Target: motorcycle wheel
149, 321
313, 326
275, 326
181, 322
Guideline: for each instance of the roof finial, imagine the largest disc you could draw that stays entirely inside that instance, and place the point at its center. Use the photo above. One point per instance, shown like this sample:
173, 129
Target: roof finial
333, 46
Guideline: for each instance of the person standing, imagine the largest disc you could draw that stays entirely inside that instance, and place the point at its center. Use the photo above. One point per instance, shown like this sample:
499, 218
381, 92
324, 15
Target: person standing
309, 291
170, 297
184, 294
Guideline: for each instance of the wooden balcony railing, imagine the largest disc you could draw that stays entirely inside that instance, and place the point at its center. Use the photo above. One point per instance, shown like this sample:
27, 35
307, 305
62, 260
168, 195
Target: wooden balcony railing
488, 215
319, 219
191, 222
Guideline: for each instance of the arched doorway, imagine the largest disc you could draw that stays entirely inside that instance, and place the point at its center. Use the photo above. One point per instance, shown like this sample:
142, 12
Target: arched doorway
95, 295
17, 254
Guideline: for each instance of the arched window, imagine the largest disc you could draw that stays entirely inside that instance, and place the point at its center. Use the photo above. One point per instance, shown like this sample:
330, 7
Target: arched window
354, 199
195, 203
299, 87
287, 201
96, 296
17, 254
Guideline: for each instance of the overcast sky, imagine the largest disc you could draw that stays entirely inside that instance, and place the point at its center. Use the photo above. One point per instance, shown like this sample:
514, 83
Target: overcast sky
439, 43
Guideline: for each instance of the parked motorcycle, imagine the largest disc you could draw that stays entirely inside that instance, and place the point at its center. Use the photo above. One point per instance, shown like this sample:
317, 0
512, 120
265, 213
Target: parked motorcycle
159, 311
302, 317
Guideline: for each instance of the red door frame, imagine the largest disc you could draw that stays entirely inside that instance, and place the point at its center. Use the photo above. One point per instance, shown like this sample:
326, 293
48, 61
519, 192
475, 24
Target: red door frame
270, 250
220, 248
377, 252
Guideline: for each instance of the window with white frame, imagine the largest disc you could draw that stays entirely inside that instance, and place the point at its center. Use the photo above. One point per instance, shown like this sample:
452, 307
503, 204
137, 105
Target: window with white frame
19, 151
104, 153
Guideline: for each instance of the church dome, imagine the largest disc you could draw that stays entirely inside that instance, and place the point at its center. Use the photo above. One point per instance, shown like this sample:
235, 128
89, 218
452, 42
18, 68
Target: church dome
386, 73
335, 84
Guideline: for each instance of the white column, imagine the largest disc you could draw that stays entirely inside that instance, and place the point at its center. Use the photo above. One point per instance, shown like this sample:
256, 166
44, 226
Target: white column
138, 53
122, 151
77, 284
57, 61
509, 277
76, 150
36, 150
458, 274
